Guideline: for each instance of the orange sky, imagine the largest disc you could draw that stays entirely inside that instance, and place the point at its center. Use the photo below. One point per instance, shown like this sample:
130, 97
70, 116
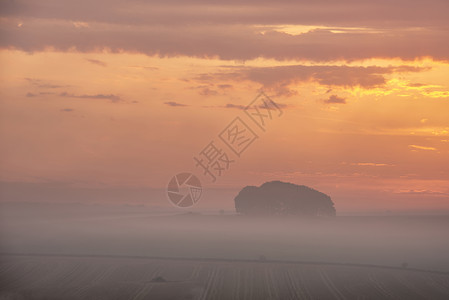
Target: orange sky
127, 95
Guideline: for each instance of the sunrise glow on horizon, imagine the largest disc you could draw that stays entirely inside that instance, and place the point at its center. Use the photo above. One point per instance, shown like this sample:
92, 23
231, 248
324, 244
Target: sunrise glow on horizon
102, 95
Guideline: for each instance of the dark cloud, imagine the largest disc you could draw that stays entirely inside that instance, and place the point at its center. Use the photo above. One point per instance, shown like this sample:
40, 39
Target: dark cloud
43, 84
279, 105
238, 106
96, 62
39, 94
174, 104
224, 86
111, 97
208, 92
354, 13
67, 110
345, 76
280, 78
334, 99
228, 41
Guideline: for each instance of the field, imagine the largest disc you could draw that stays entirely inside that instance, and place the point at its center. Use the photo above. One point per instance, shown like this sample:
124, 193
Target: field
72, 277
97, 252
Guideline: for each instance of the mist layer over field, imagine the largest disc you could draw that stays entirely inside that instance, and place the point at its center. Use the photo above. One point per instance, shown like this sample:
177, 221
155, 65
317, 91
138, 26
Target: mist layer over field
420, 242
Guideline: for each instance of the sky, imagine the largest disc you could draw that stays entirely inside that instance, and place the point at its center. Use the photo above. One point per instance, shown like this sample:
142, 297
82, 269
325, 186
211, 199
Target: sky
123, 95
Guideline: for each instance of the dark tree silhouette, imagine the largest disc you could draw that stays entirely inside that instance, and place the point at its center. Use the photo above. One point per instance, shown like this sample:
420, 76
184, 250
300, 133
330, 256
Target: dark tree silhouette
283, 198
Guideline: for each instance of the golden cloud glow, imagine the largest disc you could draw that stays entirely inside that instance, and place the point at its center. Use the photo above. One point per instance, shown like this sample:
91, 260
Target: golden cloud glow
422, 147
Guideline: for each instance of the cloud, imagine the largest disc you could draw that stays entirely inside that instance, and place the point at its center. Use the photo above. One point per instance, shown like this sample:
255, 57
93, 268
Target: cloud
346, 76
96, 62
421, 192
334, 99
30, 95
145, 67
272, 107
111, 97
204, 89
369, 164
224, 86
280, 78
227, 40
208, 92
360, 13
416, 85
80, 24
436, 94
67, 110
422, 147
174, 104
238, 106
43, 84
